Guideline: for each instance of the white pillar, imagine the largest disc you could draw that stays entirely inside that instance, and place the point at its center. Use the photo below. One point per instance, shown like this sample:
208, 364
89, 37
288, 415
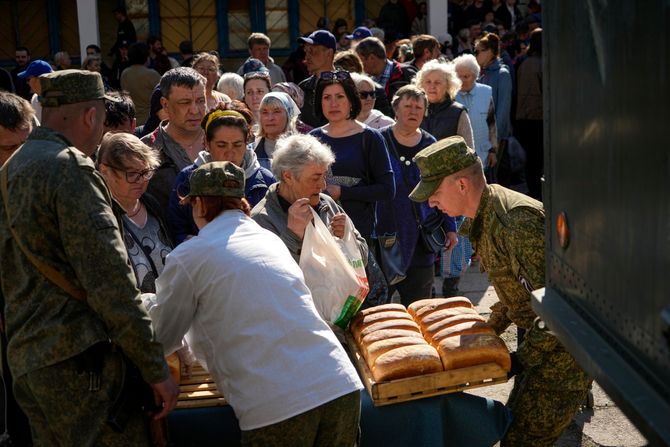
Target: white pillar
89, 32
437, 17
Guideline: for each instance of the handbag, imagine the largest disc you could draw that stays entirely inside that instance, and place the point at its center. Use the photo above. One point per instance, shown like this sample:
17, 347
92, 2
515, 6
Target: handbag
334, 272
390, 258
135, 391
432, 233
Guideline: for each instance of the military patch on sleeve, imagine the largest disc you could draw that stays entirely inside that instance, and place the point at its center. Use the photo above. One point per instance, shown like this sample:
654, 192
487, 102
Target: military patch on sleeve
525, 283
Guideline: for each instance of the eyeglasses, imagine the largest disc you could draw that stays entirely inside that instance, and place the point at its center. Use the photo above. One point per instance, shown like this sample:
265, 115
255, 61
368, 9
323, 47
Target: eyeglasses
367, 95
340, 75
134, 176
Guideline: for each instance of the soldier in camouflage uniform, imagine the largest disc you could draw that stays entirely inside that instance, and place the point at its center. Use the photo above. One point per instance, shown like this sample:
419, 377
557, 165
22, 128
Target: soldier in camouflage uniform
67, 373
507, 232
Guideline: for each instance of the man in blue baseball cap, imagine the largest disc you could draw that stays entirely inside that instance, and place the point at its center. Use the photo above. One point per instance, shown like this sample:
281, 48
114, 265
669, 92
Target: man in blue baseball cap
32, 76
319, 54
359, 34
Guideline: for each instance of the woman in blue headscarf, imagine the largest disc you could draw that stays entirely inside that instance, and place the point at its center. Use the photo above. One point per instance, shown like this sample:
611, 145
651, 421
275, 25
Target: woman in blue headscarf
278, 114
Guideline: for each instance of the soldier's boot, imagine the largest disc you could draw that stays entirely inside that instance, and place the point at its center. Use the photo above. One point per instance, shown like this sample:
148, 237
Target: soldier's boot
450, 287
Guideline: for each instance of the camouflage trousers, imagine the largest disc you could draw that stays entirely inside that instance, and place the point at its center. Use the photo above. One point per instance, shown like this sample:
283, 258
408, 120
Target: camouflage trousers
333, 424
63, 412
546, 396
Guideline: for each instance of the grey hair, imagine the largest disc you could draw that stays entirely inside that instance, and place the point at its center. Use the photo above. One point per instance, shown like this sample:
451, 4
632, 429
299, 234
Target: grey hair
448, 72
409, 91
232, 85
468, 62
371, 45
359, 78
118, 148
60, 57
295, 152
180, 77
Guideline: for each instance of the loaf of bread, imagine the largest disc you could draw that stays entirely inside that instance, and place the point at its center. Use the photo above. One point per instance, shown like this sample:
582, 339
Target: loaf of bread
447, 303
358, 324
436, 327
469, 327
408, 325
406, 361
425, 321
416, 305
380, 347
386, 334
468, 350
381, 308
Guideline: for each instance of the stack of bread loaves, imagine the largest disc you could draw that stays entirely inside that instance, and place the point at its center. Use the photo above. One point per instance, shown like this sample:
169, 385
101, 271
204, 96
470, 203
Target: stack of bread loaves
435, 335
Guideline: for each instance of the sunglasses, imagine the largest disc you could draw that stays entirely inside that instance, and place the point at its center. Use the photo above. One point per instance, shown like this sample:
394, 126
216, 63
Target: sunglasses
340, 75
367, 95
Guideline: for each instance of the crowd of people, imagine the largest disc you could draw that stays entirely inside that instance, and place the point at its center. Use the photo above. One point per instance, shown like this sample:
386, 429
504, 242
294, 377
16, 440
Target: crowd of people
167, 207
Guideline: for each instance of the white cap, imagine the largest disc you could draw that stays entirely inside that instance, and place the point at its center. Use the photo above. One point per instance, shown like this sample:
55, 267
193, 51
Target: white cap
445, 38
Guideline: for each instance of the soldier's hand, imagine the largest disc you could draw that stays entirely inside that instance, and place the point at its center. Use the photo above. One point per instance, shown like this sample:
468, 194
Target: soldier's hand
165, 396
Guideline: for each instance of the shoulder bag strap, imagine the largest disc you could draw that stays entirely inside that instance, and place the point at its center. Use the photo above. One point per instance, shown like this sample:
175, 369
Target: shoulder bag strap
48, 271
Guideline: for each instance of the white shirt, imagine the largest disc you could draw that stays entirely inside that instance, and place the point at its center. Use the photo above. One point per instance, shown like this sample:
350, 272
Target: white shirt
251, 322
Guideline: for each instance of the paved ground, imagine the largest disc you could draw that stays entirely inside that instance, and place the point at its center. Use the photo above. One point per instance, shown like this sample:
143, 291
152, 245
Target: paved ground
603, 426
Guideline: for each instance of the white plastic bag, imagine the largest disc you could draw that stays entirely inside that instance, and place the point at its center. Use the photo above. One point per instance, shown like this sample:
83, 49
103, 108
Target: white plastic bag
334, 272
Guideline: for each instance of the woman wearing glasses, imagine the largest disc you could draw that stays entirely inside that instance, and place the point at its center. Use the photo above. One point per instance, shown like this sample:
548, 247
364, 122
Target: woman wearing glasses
208, 65
367, 92
127, 164
361, 174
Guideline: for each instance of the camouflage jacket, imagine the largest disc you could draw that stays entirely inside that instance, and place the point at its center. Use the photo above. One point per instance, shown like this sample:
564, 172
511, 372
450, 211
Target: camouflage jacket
60, 209
508, 235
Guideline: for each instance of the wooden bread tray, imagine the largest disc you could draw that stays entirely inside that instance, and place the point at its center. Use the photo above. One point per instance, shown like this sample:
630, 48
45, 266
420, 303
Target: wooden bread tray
427, 385
199, 390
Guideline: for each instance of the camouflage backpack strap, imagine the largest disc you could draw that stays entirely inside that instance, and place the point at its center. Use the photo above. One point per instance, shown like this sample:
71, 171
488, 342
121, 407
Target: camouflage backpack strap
45, 269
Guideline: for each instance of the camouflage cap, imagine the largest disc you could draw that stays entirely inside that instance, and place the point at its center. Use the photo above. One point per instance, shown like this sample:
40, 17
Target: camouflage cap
210, 180
70, 87
440, 160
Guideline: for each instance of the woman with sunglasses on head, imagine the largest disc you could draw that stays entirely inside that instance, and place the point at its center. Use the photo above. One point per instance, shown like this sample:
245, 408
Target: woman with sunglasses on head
367, 92
256, 85
362, 173
127, 164
227, 138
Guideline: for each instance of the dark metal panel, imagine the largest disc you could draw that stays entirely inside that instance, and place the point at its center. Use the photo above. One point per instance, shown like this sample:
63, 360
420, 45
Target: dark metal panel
607, 166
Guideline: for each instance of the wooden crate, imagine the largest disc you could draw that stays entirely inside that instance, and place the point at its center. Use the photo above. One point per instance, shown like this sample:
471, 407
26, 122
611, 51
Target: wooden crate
199, 390
427, 385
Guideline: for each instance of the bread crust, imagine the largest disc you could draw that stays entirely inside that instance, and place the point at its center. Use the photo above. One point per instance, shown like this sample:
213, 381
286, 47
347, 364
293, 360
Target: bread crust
463, 351
406, 361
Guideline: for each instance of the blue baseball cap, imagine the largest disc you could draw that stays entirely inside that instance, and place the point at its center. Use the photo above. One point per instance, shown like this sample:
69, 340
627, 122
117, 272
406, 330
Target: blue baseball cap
36, 68
360, 33
320, 37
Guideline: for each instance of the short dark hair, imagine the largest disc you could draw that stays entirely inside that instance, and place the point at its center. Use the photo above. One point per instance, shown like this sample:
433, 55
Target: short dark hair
349, 90
15, 112
152, 40
180, 77
258, 39
94, 47
23, 49
424, 42
371, 45
138, 53
186, 47
117, 113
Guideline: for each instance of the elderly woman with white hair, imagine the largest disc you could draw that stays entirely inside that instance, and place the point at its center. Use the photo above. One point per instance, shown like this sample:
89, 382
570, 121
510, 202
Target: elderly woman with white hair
278, 114
478, 101
367, 89
445, 117
301, 163
231, 84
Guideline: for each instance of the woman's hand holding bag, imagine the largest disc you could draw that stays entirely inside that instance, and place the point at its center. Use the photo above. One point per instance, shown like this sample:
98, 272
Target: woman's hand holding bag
334, 271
